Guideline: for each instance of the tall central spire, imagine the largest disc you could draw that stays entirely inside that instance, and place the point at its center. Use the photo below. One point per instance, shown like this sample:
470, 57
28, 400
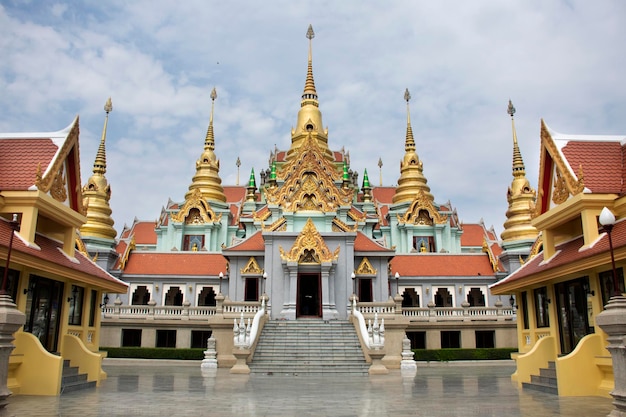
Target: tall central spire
412, 179
309, 116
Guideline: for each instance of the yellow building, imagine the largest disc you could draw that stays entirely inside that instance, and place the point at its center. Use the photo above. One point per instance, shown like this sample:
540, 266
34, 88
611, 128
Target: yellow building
561, 289
55, 285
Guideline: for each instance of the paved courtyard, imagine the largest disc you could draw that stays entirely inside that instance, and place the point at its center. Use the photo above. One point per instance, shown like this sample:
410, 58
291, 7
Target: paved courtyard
136, 388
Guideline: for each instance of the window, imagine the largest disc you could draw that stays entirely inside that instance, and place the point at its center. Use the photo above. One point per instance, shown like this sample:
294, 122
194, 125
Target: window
206, 297
199, 338
92, 307
485, 339
141, 296
131, 337
476, 298
443, 298
451, 339
525, 309
423, 244
193, 243
418, 339
541, 307
410, 298
174, 297
76, 306
606, 283
166, 338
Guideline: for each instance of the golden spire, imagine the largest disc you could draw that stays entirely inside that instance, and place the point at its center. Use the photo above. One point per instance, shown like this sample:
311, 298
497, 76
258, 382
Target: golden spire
520, 195
207, 178
97, 192
412, 179
309, 115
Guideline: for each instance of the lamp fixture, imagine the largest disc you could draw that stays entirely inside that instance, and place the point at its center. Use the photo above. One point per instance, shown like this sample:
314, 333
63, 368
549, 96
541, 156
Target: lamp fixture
106, 300
607, 220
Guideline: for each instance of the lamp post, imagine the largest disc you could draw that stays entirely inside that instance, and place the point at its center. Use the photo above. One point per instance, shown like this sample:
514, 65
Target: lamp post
221, 277
397, 283
607, 220
353, 276
264, 281
613, 322
15, 225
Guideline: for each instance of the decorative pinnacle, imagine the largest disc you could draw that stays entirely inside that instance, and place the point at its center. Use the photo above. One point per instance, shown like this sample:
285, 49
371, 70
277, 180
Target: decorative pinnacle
410, 142
309, 33
213, 94
209, 141
511, 109
407, 95
309, 85
108, 106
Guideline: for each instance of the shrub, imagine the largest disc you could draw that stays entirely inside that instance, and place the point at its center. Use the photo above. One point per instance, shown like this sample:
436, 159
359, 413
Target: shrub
154, 353
446, 355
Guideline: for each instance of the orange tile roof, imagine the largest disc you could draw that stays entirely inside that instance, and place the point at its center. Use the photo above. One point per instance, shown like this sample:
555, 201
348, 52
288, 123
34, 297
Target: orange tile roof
234, 193
567, 254
52, 251
280, 156
473, 235
442, 265
144, 233
19, 161
384, 194
253, 243
602, 164
175, 263
363, 243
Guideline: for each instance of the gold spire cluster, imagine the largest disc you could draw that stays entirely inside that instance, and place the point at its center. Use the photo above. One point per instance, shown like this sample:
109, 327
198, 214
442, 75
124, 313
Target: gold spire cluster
309, 115
97, 192
207, 178
412, 179
520, 195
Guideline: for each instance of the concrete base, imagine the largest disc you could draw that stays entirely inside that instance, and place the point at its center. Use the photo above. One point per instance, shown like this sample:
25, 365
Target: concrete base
241, 366
11, 319
377, 367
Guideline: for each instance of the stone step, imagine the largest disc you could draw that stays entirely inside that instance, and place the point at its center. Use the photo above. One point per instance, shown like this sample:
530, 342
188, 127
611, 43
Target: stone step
72, 380
546, 381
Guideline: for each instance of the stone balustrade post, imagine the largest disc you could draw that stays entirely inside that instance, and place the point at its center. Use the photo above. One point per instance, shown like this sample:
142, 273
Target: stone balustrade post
186, 305
465, 305
11, 319
613, 322
151, 305
116, 306
219, 304
499, 309
431, 311
398, 302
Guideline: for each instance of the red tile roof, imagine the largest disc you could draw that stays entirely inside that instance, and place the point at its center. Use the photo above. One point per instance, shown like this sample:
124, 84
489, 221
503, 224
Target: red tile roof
144, 233
567, 254
280, 156
175, 263
442, 265
253, 243
19, 161
473, 235
51, 251
602, 164
234, 193
384, 194
363, 243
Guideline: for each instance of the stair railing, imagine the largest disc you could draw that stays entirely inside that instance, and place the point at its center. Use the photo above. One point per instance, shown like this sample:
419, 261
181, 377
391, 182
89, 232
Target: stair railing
244, 335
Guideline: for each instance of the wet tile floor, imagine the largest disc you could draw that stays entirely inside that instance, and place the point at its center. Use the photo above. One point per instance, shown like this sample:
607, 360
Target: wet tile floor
156, 389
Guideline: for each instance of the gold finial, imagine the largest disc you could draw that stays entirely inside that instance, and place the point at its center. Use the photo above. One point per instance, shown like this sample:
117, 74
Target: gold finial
238, 163
380, 168
108, 106
407, 96
309, 33
213, 94
511, 109
209, 141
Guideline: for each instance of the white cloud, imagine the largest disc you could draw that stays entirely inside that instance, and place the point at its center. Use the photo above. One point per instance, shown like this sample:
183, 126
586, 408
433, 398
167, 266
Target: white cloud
462, 61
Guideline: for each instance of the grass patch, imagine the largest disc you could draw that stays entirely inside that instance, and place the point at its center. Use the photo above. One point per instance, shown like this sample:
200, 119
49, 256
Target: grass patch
154, 353
447, 355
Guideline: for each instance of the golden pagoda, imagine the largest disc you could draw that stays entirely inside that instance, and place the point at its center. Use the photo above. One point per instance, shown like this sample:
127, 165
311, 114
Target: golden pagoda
97, 193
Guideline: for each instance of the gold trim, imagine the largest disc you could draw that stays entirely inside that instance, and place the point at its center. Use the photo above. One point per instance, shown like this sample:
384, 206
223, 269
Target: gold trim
560, 192
58, 190
207, 215
339, 226
365, 268
279, 225
126, 254
309, 248
356, 217
413, 214
252, 267
492, 259
261, 218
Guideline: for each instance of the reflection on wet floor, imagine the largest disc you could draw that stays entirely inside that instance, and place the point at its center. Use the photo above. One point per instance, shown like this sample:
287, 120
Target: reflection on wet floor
149, 389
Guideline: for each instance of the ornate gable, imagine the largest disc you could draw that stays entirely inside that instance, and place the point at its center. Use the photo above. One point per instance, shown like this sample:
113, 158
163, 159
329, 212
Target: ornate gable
422, 212
251, 268
309, 183
365, 268
196, 211
309, 248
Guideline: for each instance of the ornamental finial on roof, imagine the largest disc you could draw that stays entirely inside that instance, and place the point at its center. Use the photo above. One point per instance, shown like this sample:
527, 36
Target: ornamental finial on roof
511, 109
309, 33
407, 95
108, 106
213, 94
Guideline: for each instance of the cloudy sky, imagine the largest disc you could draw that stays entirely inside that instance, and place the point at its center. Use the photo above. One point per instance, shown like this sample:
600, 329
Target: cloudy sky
563, 61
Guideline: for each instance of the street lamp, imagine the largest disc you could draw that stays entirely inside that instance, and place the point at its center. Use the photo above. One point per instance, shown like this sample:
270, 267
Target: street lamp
15, 225
221, 277
397, 282
353, 276
607, 220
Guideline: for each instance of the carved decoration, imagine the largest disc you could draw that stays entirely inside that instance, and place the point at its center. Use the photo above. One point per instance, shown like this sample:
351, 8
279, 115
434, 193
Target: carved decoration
126, 254
279, 225
492, 259
261, 217
422, 212
357, 217
309, 248
560, 192
58, 190
365, 268
309, 183
339, 226
252, 267
196, 211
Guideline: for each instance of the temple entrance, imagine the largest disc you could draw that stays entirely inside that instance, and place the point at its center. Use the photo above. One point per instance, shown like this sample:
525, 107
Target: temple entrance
43, 310
571, 297
309, 296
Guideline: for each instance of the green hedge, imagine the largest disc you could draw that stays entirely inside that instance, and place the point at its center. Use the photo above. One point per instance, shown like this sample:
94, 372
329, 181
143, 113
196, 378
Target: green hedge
154, 353
445, 355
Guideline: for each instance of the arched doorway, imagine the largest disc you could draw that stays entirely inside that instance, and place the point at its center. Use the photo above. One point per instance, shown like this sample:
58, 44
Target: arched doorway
309, 297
